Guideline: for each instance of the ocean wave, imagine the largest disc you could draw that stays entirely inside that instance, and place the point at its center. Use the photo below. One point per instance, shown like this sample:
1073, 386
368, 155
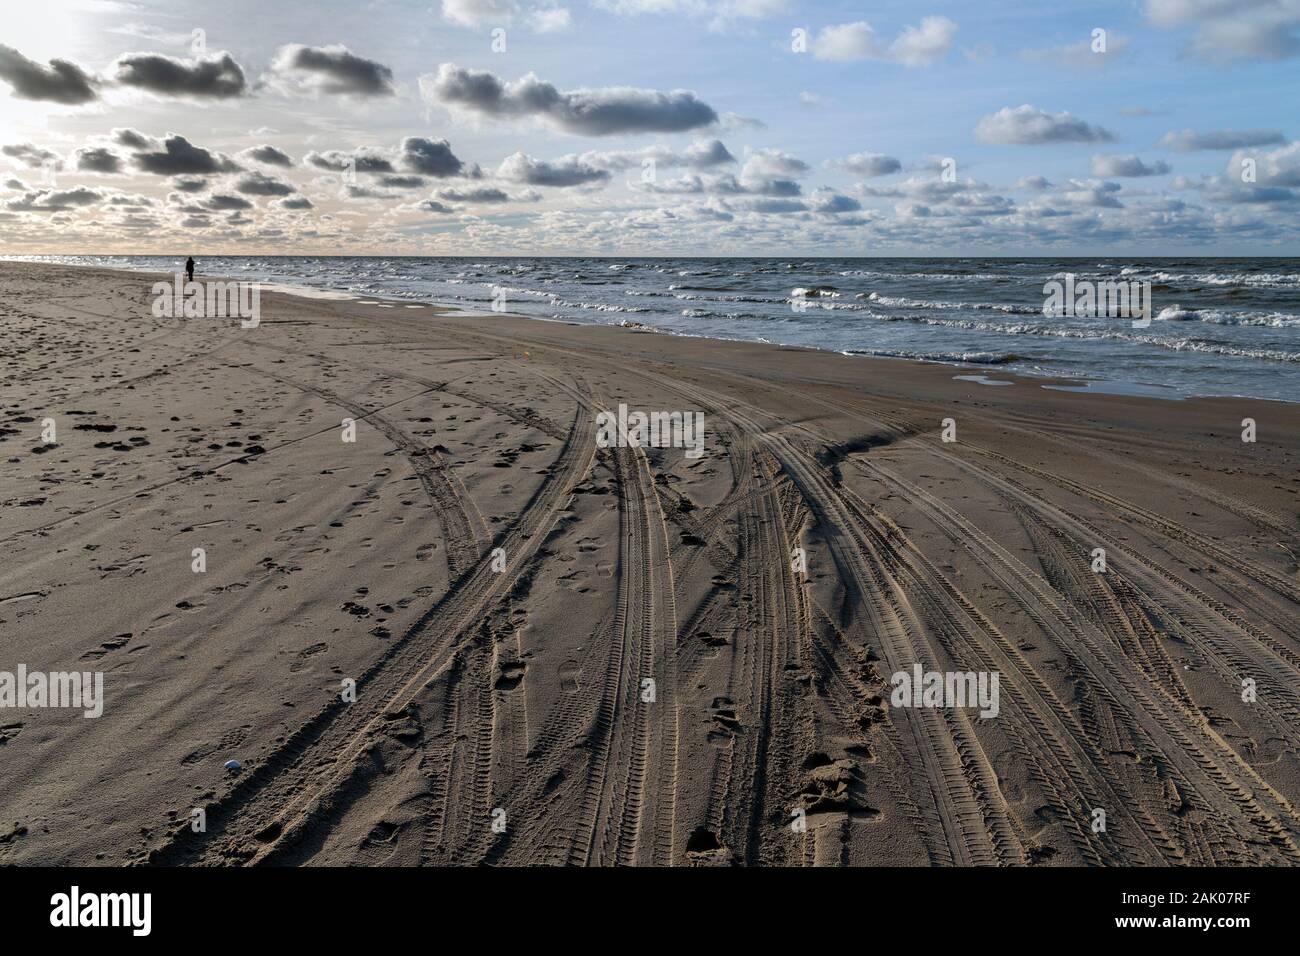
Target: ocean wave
1093, 334
971, 358
900, 302
1275, 320
1259, 279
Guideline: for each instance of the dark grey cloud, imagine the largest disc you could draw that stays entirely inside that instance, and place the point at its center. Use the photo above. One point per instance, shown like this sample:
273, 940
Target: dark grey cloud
31, 155
98, 159
591, 112
430, 205
133, 139
831, 202
259, 184
215, 76
363, 160
190, 185
221, 203
333, 69
402, 182
1186, 141
561, 173
268, 156
127, 201
476, 194
1028, 125
295, 202
177, 156
869, 165
60, 82
366, 192
1126, 166
54, 200
430, 157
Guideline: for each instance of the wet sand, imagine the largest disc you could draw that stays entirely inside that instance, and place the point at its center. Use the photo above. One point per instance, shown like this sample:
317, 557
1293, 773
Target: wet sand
571, 654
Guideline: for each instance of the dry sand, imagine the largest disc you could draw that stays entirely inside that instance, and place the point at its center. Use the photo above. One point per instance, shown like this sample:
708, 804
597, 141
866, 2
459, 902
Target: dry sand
501, 713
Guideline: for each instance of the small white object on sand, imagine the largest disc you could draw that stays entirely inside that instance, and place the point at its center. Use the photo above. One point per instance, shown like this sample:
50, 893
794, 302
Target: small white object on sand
234, 766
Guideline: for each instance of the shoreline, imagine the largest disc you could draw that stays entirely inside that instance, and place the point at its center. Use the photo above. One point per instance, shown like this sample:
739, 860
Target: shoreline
1077, 384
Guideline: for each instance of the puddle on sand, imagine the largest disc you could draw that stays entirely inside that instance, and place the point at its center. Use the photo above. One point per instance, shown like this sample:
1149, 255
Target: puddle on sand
1122, 388
982, 379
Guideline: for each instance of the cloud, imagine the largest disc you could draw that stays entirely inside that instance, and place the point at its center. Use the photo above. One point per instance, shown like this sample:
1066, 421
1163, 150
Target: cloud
589, 112
1279, 167
541, 18
98, 159
477, 194
1126, 166
402, 182
776, 205
1186, 141
1028, 125
475, 13
1081, 55
363, 160
549, 20
190, 185
128, 201
430, 157
773, 163
734, 121
295, 202
771, 172
1093, 193
430, 205
1229, 30
702, 154
561, 173
267, 156
259, 184
54, 200
223, 203
914, 46
332, 69
868, 165
60, 82
32, 156
132, 138
719, 14
1037, 183
216, 76
177, 156
830, 202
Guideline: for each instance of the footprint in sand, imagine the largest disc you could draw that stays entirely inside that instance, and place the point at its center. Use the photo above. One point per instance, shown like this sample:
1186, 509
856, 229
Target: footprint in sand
305, 654
511, 676
570, 671
118, 642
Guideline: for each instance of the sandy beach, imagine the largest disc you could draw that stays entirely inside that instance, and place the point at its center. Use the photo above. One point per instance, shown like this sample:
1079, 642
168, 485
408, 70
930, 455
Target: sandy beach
475, 635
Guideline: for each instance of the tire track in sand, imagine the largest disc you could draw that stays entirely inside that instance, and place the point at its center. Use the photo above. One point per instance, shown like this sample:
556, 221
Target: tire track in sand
273, 806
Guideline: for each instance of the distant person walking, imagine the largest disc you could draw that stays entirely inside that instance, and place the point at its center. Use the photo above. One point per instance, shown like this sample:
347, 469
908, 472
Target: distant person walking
189, 269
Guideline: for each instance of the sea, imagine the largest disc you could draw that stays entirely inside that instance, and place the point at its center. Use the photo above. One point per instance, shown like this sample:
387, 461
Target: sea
1219, 327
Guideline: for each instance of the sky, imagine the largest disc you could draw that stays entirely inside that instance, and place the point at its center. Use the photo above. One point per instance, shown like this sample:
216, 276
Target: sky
650, 127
